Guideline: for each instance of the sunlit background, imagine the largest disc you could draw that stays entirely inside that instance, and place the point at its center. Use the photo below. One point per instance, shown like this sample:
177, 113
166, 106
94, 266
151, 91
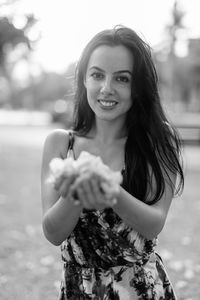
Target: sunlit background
40, 43
64, 27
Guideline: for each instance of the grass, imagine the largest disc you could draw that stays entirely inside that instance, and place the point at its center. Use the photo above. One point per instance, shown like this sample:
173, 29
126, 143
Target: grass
30, 267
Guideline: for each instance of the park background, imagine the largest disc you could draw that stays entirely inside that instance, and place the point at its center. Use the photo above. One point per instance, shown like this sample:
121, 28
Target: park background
40, 43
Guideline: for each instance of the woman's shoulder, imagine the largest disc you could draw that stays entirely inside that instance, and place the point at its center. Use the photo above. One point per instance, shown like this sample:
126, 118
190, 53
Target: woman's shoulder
57, 141
58, 135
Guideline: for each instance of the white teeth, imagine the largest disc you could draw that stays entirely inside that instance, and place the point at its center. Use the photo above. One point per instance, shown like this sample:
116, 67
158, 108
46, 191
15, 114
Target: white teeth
107, 103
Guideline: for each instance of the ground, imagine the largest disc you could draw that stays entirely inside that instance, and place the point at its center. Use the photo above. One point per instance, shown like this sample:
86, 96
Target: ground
30, 267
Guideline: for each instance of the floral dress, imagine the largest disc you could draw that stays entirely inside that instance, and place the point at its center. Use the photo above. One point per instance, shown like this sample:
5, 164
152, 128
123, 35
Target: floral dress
105, 259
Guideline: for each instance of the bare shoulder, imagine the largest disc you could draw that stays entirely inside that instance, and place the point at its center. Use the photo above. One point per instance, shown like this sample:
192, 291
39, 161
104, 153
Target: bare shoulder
56, 143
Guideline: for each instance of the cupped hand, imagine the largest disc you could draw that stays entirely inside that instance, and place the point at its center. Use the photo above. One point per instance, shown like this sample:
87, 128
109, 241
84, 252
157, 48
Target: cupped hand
63, 183
88, 190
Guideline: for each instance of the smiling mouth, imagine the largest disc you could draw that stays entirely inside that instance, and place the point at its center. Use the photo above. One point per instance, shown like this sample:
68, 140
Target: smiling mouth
107, 103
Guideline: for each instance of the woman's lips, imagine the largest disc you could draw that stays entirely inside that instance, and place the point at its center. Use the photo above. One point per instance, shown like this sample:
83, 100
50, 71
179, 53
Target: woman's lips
107, 103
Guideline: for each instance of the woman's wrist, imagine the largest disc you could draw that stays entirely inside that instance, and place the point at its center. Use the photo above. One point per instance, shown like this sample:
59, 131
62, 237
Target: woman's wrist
60, 220
72, 203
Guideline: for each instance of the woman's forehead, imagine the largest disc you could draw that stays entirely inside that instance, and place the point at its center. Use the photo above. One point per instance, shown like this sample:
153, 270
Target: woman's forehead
111, 57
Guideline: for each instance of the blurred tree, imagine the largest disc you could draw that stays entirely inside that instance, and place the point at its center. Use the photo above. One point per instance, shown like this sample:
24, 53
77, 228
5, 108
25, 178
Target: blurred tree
40, 91
175, 26
173, 30
10, 38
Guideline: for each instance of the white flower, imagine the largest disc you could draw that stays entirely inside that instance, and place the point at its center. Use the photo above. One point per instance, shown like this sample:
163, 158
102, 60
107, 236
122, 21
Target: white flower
56, 166
87, 164
69, 166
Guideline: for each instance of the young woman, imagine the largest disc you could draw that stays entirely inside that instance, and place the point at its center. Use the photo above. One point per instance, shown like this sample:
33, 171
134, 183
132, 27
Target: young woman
109, 251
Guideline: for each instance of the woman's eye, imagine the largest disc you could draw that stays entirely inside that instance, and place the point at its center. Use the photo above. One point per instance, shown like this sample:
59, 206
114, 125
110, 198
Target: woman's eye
123, 79
97, 75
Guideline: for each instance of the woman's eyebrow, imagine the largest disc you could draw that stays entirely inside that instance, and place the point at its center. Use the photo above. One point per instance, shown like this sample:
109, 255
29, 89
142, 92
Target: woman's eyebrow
117, 72
123, 71
96, 68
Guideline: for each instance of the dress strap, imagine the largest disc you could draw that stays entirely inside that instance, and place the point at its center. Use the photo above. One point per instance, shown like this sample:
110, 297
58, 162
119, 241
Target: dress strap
70, 151
71, 140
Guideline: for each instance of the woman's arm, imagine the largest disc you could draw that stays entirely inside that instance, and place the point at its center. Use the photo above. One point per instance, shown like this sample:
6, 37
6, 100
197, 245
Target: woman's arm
146, 219
60, 215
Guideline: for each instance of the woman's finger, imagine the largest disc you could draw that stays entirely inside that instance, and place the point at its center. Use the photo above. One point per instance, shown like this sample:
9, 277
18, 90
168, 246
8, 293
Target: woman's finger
83, 198
64, 187
82, 187
58, 182
74, 200
88, 193
99, 196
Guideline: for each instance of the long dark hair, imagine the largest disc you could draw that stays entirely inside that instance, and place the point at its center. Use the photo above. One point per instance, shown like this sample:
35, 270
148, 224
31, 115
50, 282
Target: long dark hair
152, 149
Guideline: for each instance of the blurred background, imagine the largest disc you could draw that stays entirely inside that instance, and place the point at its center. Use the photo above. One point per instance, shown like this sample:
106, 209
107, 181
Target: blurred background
40, 43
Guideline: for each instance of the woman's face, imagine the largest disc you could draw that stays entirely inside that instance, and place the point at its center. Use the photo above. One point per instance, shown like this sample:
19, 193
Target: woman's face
108, 82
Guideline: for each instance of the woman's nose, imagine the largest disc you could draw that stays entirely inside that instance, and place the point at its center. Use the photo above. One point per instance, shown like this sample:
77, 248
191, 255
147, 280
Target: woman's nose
107, 87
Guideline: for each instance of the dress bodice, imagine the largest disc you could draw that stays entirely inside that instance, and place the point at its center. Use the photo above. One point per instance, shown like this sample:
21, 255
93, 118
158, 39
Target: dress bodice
102, 239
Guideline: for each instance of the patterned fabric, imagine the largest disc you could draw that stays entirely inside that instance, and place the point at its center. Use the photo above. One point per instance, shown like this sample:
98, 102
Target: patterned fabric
104, 259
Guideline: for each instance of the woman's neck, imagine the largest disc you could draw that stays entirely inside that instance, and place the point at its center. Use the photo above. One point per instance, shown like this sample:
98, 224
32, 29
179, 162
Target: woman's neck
107, 132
